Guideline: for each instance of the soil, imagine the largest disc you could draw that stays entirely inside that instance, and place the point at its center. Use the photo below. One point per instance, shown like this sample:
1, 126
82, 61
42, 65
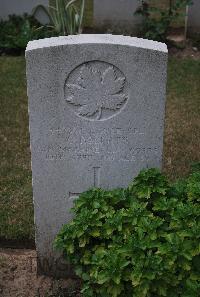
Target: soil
188, 52
18, 277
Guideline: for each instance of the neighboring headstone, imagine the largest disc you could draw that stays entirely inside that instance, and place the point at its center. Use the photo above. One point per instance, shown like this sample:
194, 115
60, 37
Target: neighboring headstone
96, 108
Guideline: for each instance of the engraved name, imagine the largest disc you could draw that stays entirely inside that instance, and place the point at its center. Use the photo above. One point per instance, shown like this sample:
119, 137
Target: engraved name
108, 144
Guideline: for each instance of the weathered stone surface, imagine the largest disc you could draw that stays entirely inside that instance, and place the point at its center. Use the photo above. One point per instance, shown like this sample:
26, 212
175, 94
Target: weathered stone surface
96, 108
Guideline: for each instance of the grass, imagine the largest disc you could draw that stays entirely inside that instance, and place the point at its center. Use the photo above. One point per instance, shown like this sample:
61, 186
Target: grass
182, 125
181, 147
16, 211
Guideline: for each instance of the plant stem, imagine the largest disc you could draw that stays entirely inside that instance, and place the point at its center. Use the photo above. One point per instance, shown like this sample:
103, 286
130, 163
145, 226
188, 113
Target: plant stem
170, 7
81, 16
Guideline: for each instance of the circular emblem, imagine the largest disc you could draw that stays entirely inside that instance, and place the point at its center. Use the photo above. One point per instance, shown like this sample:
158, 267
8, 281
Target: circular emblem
96, 90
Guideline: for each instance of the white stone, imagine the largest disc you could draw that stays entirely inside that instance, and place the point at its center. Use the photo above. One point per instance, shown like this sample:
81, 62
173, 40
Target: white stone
96, 108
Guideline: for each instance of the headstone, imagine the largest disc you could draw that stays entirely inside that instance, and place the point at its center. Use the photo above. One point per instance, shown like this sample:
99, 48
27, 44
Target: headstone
96, 108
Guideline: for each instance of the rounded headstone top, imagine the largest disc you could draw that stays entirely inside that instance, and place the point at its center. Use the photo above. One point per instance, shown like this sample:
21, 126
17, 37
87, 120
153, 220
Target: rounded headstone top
97, 39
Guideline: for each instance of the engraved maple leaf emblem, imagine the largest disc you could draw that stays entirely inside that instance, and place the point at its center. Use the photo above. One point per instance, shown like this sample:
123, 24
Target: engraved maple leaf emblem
95, 91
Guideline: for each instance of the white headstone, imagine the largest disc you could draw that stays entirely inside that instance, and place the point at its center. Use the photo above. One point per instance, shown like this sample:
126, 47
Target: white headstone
96, 108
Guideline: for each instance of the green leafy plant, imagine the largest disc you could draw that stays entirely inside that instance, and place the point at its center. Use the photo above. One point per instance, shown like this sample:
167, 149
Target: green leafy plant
156, 21
140, 241
17, 31
65, 18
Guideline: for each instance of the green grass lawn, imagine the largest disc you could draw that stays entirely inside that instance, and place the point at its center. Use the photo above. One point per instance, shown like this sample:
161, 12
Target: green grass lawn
182, 138
16, 211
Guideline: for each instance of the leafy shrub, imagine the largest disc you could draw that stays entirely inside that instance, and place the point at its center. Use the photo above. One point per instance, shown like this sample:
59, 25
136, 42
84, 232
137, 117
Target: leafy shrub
17, 31
65, 17
157, 21
140, 241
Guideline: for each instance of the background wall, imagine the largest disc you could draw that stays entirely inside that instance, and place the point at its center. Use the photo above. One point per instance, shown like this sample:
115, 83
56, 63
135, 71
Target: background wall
19, 7
194, 17
116, 14
105, 13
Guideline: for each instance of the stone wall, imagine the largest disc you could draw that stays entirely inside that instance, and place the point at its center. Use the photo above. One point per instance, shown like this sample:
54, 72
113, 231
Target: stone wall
194, 17
8, 7
117, 15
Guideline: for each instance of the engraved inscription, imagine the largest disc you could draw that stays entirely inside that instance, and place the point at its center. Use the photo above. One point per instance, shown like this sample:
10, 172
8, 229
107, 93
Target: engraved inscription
73, 195
96, 90
96, 176
108, 144
96, 183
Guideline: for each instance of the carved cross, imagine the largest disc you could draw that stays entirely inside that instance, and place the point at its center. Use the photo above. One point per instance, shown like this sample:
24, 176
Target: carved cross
96, 182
